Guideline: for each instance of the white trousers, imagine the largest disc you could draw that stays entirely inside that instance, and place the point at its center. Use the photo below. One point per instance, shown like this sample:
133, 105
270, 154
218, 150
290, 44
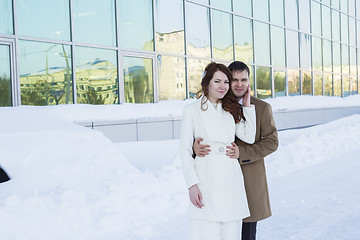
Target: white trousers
210, 230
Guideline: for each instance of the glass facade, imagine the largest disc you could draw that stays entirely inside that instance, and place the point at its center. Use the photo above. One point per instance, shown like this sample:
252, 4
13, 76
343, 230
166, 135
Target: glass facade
115, 51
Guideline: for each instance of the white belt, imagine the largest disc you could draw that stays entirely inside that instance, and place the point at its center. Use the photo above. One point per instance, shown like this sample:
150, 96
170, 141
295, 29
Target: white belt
218, 148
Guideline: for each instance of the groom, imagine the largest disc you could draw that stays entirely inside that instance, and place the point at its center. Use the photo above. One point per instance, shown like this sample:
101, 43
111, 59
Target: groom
251, 155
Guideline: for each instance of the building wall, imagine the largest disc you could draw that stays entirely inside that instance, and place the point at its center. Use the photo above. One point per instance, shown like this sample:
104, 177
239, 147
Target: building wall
114, 51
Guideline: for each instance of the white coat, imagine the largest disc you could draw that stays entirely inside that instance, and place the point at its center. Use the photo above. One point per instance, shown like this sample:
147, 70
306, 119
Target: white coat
218, 177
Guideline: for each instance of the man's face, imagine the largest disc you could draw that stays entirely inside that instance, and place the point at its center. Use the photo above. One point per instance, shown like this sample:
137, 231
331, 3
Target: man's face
240, 83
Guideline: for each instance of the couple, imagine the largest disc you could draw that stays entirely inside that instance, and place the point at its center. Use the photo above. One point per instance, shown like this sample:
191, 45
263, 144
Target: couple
222, 193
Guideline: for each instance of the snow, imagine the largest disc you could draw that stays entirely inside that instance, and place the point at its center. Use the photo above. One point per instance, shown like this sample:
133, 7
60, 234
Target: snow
71, 182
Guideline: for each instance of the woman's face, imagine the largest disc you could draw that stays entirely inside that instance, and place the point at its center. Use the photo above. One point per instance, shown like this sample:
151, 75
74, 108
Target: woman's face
218, 86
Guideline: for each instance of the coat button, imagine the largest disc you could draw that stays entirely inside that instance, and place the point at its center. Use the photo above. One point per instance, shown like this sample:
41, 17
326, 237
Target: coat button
221, 149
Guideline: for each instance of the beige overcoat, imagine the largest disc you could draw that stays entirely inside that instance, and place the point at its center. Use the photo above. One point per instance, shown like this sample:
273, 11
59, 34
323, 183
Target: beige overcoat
252, 161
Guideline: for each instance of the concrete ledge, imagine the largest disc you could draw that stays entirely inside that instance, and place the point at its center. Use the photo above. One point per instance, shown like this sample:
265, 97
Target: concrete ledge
165, 128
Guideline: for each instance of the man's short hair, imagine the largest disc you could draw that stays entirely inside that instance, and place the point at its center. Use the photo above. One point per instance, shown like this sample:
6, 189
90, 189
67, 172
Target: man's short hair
238, 66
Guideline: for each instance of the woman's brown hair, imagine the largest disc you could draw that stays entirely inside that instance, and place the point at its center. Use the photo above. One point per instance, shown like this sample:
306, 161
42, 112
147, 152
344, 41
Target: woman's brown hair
229, 101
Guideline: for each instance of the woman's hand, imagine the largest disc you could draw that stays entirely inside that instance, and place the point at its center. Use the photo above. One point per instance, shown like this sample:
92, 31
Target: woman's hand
246, 98
195, 196
233, 151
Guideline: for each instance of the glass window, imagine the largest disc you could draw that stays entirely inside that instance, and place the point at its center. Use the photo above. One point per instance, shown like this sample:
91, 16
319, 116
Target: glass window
278, 46
316, 54
5, 82
327, 61
306, 82
31, 15
345, 59
243, 7
252, 80
336, 25
337, 85
315, 18
45, 73
262, 43
138, 80
291, 14
335, 4
279, 83
263, 82
261, 9
206, 2
352, 31
352, 8
96, 76
198, 35
318, 84
243, 39
357, 9
171, 81
352, 61
136, 24
222, 4
304, 15
277, 12
170, 26
336, 58
344, 29
305, 51
292, 49
344, 6
222, 36
358, 32
354, 87
195, 71
328, 84
293, 82
326, 20
6, 17
346, 85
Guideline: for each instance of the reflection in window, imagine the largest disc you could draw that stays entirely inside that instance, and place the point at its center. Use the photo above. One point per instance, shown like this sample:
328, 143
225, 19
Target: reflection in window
252, 80
262, 43
335, 25
346, 85
138, 80
352, 31
352, 8
354, 87
315, 18
277, 12
136, 24
222, 4
206, 2
353, 61
6, 17
328, 84
52, 16
96, 76
195, 71
316, 54
292, 49
171, 79
170, 26
318, 84
335, 4
305, 51
345, 59
326, 20
5, 82
45, 73
344, 6
261, 9
337, 85
263, 82
344, 29
327, 56
306, 82
278, 46
197, 35
243, 39
243, 7
293, 82
222, 36
304, 15
336, 57
291, 14
279, 83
